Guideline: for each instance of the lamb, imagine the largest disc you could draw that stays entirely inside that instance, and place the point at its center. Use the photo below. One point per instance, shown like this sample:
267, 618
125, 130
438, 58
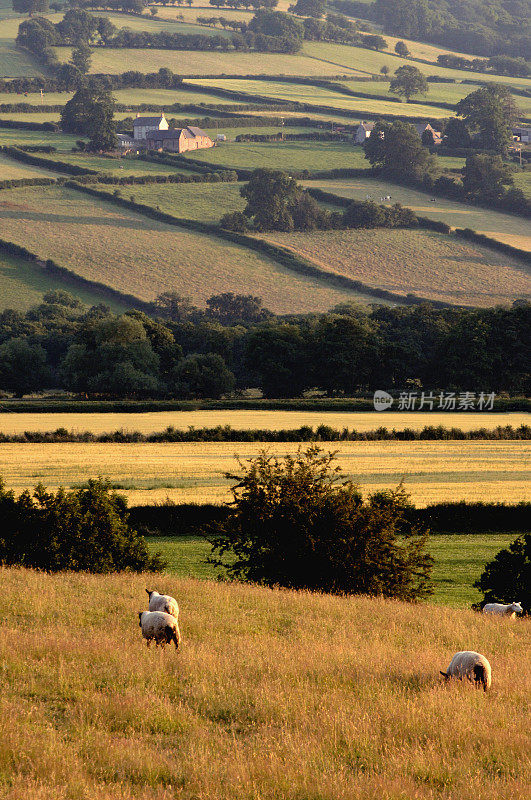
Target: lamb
163, 602
161, 627
472, 666
503, 610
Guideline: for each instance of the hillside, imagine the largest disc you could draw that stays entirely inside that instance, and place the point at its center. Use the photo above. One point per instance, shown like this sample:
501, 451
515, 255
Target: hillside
273, 695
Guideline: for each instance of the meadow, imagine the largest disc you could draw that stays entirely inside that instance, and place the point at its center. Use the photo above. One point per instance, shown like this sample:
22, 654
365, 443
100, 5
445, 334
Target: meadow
420, 262
154, 421
12, 137
14, 170
194, 472
274, 695
108, 165
508, 228
141, 256
317, 95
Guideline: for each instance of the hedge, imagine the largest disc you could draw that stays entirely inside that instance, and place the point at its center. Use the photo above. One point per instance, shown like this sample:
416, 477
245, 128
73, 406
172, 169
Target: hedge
178, 177
15, 183
495, 244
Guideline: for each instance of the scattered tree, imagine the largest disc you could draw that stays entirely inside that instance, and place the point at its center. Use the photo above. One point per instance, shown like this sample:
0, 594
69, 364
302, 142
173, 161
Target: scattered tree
489, 113
298, 522
401, 49
508, 577
396, 149
30, 6
233, 309
90, 112
486, 176
81, 58
408, 81
309, 8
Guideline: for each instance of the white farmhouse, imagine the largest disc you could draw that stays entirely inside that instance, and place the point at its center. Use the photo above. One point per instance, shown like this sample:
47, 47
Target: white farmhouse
142, 125
363, 131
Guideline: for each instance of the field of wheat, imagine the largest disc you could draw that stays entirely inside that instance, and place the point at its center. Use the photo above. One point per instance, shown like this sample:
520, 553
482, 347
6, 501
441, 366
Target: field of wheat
141, 256
194, 472
273, 695
155, 421
425, 263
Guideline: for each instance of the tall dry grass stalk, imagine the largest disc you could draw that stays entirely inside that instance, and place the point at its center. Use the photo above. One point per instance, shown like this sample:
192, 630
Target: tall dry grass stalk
274, 695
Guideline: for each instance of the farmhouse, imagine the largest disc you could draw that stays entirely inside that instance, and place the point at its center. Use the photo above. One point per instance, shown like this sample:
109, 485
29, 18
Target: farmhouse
363, 131
422, 127
143, 125
178, 140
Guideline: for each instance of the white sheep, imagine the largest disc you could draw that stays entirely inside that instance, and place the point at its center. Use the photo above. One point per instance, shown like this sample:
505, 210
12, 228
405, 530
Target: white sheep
472, 666
161, 627
163, 602
503, 610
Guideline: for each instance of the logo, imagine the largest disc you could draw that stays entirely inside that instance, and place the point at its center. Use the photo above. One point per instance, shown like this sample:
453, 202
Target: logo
382, 400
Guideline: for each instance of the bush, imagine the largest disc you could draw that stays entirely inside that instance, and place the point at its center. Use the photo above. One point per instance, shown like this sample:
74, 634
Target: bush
83, 530
296, 522
508, 577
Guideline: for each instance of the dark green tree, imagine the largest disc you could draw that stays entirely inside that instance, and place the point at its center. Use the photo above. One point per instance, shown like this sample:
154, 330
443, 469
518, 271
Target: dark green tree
277, 357
81, 58
308, 8
77, 26
90, 112
268, 194
489, 113
298, 522
401, 49
233, 309
346, 349
279, 25
408, 81
456, 133
30, 6
395, 148
203, 375
486, 176
507, 578
23, 366
374, 42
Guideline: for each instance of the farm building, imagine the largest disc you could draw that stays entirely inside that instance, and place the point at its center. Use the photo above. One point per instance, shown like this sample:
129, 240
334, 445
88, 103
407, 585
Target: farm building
178, 140
422, 127
143, 125
363, 131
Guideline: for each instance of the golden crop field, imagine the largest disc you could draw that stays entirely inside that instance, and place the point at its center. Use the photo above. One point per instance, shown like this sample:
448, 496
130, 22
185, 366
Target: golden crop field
424, 263
194, 472
508, 228
155, 421
141, 256
273, 695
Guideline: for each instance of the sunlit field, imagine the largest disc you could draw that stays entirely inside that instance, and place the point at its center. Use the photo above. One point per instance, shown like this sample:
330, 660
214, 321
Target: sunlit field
154, 421
298, 155
14, 170
273, 695
194, 472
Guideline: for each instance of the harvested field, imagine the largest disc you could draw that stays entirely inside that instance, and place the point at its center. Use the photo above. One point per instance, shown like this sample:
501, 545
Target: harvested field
313, 156
147, 473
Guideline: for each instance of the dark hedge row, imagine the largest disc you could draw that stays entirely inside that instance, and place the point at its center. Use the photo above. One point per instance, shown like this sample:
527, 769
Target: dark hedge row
130, 180
14, 183
480, 238
323, 433
17, 124
47, 163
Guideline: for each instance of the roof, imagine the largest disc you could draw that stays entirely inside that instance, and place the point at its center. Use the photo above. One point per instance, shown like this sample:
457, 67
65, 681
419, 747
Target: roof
125, 137
196, 131
367, 126
173, 133
148, 120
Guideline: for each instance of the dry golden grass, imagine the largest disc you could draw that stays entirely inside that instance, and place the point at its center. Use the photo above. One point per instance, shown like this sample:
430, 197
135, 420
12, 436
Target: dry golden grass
274, 696
154, 421
432, 471
421, 262
143, 257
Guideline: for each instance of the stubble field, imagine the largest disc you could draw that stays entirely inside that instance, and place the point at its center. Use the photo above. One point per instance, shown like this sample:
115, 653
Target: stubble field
274, 695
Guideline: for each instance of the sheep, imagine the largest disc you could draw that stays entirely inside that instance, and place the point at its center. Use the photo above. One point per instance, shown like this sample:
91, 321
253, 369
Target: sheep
161, 627
163, 602
509, 610
472, 666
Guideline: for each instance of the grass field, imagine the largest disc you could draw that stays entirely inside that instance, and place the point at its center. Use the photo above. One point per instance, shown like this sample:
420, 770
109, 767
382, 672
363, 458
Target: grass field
273, 695
158, 97
111, 61
13, 170
121, 167
317, 95
13, 137
150, 422
146, 23
22, 285
284, 155
459, 561
193, 472
421, 262
140, 256
508, 228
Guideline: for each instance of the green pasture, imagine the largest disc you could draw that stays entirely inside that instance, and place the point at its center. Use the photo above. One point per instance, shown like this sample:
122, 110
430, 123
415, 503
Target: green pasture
16, 63
459, 561
10, 169
523, 181
13, 137
109, 165
157, 25
318, 95
286, 155
508, 228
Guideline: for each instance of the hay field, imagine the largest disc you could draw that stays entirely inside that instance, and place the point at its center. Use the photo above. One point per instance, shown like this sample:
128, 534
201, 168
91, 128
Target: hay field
421, 262
111, 60
157, 25
140, 256
508, 228
194, 472
317, 95
273, 695
154, 421
121, 167
10, 169
22, 285
283, 155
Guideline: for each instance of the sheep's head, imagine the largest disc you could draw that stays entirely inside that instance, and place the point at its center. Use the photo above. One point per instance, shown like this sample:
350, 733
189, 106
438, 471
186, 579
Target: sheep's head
517, 608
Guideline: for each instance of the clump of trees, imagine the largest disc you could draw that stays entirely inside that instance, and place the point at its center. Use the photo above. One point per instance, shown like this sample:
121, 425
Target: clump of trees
90, 112
408, 81
508, 577
298, 522
85, 529
396, 149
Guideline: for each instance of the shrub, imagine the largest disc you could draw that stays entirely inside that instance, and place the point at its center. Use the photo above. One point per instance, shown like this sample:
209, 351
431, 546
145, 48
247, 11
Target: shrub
508, 577
296, 522
83, 530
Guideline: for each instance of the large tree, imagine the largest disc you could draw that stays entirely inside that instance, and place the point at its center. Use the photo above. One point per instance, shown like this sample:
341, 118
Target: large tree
396, 149
508, 577
268, 193
81, 58
309, 8
488, 113
90, 112
486, 176
30, 6
408, 81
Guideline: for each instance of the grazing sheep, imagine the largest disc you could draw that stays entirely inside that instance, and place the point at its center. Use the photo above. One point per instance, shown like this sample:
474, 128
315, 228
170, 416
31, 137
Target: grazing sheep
161, 627
163, 602
472, 666
503, 610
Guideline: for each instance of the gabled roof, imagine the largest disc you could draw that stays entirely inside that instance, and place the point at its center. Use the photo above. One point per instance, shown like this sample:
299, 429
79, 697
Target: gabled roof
173, 133
367, 126
148, 120
196, 131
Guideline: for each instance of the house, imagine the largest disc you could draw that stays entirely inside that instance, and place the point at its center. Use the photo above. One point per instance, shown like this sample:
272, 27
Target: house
422, 127
178, 140
522, 135
143, 125
363, 131
126, 142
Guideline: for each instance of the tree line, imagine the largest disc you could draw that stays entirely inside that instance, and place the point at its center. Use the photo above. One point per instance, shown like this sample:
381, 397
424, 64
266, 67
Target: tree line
182, 351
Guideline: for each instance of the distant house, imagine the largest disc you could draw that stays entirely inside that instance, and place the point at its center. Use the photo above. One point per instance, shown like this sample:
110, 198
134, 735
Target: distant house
125, 141
178, 140
522, 135
144, 125
363, 131
421, 127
